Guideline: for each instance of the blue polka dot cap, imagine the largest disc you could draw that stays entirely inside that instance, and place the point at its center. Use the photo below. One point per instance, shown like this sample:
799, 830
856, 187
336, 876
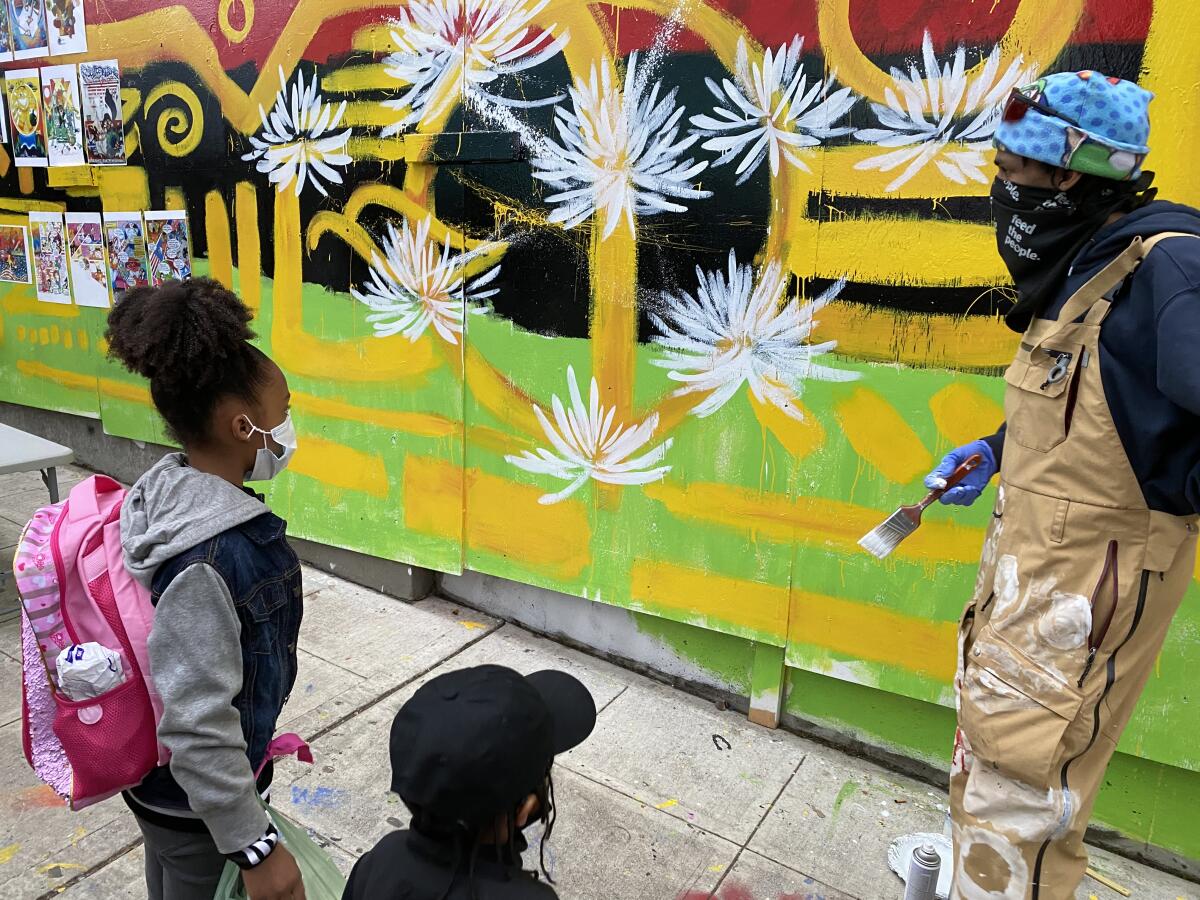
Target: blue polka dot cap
1101, 126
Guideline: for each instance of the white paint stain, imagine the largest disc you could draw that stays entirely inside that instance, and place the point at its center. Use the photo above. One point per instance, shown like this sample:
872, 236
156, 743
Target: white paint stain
992, 696
1025, 812
1067, 623
1008, 587
965, 885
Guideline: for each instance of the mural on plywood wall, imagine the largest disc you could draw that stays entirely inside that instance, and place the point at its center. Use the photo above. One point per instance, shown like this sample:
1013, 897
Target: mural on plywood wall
663, 303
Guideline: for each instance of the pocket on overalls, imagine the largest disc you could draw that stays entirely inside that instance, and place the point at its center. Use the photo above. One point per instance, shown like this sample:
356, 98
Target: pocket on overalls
1039, 410
1014, 711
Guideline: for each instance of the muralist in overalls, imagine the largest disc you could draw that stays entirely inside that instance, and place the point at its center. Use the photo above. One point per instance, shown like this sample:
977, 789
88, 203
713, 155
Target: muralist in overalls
1092, 541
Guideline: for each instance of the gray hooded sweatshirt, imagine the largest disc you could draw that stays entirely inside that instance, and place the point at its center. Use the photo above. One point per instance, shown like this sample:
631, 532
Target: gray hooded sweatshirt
195, 643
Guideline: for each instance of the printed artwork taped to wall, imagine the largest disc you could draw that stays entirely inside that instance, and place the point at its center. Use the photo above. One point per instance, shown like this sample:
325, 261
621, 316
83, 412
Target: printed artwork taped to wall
64, 22
89, 265
64, 126
103, 128
14, 254
27, 19
50, 266
168, 247
5, 35
23, 88
126, 242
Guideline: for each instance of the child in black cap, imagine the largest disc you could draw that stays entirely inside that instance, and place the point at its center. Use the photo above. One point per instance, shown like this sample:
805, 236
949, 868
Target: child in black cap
471, 753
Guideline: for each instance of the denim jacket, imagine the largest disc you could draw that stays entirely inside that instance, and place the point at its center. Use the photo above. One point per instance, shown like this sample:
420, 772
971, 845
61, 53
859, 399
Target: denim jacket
262, 574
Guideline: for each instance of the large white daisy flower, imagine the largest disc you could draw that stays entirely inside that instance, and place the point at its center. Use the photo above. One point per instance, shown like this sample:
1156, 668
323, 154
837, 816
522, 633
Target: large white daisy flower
620, 151
737, 330
417, 284
296, 145
587, 444
771, 111
477, 41
943, 116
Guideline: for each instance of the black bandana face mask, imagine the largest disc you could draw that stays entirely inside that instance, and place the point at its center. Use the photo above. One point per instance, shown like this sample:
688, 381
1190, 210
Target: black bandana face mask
1040, 231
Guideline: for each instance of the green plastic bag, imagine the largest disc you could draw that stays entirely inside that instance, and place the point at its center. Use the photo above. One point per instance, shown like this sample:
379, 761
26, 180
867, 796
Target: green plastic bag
322, 878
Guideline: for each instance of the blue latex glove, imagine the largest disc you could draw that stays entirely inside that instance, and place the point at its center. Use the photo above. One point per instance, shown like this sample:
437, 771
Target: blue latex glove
968, 490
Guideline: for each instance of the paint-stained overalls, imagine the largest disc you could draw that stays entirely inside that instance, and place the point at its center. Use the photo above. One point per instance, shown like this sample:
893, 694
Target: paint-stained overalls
1078, 584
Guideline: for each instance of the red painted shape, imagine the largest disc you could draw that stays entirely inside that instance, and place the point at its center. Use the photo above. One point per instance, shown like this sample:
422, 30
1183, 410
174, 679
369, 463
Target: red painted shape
889, 26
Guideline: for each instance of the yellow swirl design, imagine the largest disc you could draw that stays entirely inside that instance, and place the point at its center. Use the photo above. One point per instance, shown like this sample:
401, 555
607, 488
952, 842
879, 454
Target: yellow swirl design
179, 128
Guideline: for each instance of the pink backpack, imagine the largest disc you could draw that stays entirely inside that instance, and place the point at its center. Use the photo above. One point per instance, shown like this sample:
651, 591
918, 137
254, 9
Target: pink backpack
74, 588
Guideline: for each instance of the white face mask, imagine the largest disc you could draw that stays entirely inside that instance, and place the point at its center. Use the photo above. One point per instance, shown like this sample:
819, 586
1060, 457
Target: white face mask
266, 464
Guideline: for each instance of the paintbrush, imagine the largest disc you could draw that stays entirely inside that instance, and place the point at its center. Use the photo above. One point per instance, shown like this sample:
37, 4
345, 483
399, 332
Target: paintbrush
886, 536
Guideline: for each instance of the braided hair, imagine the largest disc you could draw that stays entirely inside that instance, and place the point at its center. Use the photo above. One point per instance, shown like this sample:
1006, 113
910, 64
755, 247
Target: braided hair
191, 339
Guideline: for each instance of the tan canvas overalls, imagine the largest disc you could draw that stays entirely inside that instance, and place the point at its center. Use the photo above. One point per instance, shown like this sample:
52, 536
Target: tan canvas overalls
1078, 584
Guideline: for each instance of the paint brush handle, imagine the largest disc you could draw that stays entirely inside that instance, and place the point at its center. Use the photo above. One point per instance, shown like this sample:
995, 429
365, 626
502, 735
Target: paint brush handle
970, 464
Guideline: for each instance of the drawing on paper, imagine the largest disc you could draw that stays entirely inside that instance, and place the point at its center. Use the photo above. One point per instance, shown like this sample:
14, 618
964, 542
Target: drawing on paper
5, 34
66, 28
27, 19
50, 266
24, 90
64, 128
126, 242
168, 247
85, 249
14, 254
103, 126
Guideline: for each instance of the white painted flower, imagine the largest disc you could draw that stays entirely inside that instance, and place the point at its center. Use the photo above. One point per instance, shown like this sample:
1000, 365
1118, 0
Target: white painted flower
588, 445
296, 144
771, 111
620, 151
737, 331
475, 41
420, 283
944, 116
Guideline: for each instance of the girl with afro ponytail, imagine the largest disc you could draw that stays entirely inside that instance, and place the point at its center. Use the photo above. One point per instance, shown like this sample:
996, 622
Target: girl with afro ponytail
224, 582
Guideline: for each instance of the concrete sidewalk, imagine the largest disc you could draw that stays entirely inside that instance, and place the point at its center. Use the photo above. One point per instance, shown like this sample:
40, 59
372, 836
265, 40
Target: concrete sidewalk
670, 797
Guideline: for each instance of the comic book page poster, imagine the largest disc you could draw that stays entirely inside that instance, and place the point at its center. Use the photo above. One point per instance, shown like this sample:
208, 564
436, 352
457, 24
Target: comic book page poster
52, 274
64, 119
103, 128
27, 21
89, 265
24, 90
168, 246
5, 35
14, 254
126, 243
64, 22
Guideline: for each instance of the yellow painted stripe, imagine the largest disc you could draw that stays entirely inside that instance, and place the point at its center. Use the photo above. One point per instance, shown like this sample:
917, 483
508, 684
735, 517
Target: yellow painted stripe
22, 204
216, 227
408, 205
420, 424
249, 246
25, 180
873, 633
174, 198
614, 315
800, 436
371, 114
550, 539
812, 521
880, 435
1171, 68
355, 79
703, 598
337, 465
877, 334
964, 413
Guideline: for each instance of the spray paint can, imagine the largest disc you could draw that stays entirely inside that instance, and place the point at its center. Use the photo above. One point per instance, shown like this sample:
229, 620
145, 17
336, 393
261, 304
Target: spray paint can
923, 874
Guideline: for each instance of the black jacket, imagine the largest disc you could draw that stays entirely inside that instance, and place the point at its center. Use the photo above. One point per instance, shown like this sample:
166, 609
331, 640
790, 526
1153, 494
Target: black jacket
407, 865
1151, 352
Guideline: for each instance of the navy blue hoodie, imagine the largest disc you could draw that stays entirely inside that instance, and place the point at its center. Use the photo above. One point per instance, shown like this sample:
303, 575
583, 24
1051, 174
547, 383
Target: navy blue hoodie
1151, 345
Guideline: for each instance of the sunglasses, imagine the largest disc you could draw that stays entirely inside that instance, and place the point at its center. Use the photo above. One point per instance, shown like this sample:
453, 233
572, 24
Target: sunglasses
1018, 104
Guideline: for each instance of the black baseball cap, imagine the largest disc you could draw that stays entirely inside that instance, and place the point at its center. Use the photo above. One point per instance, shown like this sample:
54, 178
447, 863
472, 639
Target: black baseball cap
470, 744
